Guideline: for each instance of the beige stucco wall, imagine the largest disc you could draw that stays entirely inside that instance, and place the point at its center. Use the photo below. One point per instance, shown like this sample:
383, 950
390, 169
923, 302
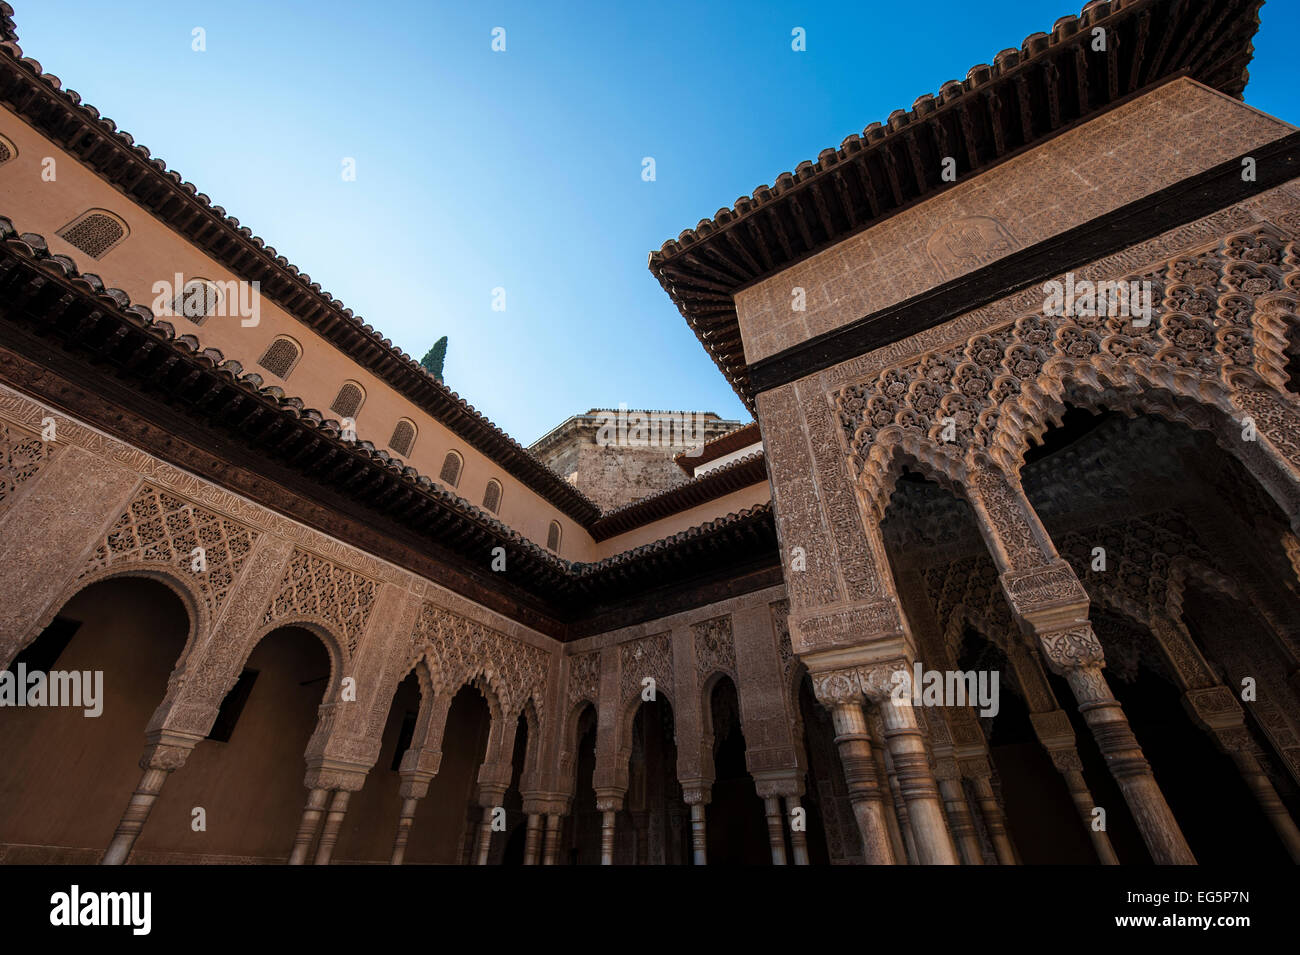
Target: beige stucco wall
1154, 141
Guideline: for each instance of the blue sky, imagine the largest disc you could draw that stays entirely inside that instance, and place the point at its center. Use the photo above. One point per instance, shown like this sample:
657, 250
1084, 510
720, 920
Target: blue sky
522, 169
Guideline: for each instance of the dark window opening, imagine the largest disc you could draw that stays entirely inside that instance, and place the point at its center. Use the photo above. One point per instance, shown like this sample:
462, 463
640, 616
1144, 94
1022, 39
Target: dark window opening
232, 706
43, 652
404, 738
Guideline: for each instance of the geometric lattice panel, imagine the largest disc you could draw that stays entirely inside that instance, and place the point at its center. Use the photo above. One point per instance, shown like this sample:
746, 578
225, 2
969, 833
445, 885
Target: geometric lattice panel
21, 456
316, 587
460, 649
158, 526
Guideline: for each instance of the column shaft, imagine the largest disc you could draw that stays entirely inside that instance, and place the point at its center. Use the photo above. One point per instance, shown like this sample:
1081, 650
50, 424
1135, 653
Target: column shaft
329, 834
920, 792
900, 834
607, 819
307, 825
854, 744
484, 837
963, 826
551, 847
798, 837
775, 831
1124, 757
404, 822
135, 816
1085, 804
994, 821
699, 845
532, 838
1262, 789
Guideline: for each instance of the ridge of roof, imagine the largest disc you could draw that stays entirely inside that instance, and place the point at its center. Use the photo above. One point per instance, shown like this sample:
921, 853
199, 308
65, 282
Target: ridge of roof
178, 203
723, 444
871, 176
752, 514
741, 473
546, 572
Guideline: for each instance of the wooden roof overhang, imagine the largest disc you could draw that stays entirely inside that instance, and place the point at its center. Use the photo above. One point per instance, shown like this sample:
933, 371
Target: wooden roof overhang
1026, 96
70, 341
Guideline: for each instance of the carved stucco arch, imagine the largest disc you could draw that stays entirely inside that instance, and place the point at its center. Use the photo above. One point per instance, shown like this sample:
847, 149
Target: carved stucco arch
963, 618
529, 772
1214, 350
335, 649
706, 687
626, 722
569, 742
185, 590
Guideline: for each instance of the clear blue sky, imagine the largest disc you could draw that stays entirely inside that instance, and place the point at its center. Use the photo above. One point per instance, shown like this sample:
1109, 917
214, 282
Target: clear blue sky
523, 169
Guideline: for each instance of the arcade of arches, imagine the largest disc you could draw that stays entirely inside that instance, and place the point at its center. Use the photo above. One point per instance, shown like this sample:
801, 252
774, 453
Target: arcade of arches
1103, 514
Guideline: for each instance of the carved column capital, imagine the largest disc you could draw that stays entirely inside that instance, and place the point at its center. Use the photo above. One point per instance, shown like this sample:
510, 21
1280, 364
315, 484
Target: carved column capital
835, 687
768, 786
975, 766
696, 795
945, 768
165, 756
610, 800
1072, 648
332, 775
1214, 708
880, 681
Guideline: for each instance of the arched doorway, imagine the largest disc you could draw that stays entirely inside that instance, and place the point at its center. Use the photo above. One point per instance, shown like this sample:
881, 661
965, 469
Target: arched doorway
508, 847
371, 822
445, 820
1041, 819
1130, 503
65, 777
580, 843
736, 827
247, 776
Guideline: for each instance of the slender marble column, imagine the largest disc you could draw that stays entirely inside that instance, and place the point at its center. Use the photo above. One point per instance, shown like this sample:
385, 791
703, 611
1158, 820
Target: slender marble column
1054, 732
775, 829
607, 820
963, 825
418, 768
854, 744
484, 847
1070, 767
551, 847
906, 747
699, 843
159, 761
900, 834
1269, 802
308, 824
329, 833
994, 821
404, 822
798, 837
1219, 713
1051, 605
697, 797
532, 838
608, 804
1076, 654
